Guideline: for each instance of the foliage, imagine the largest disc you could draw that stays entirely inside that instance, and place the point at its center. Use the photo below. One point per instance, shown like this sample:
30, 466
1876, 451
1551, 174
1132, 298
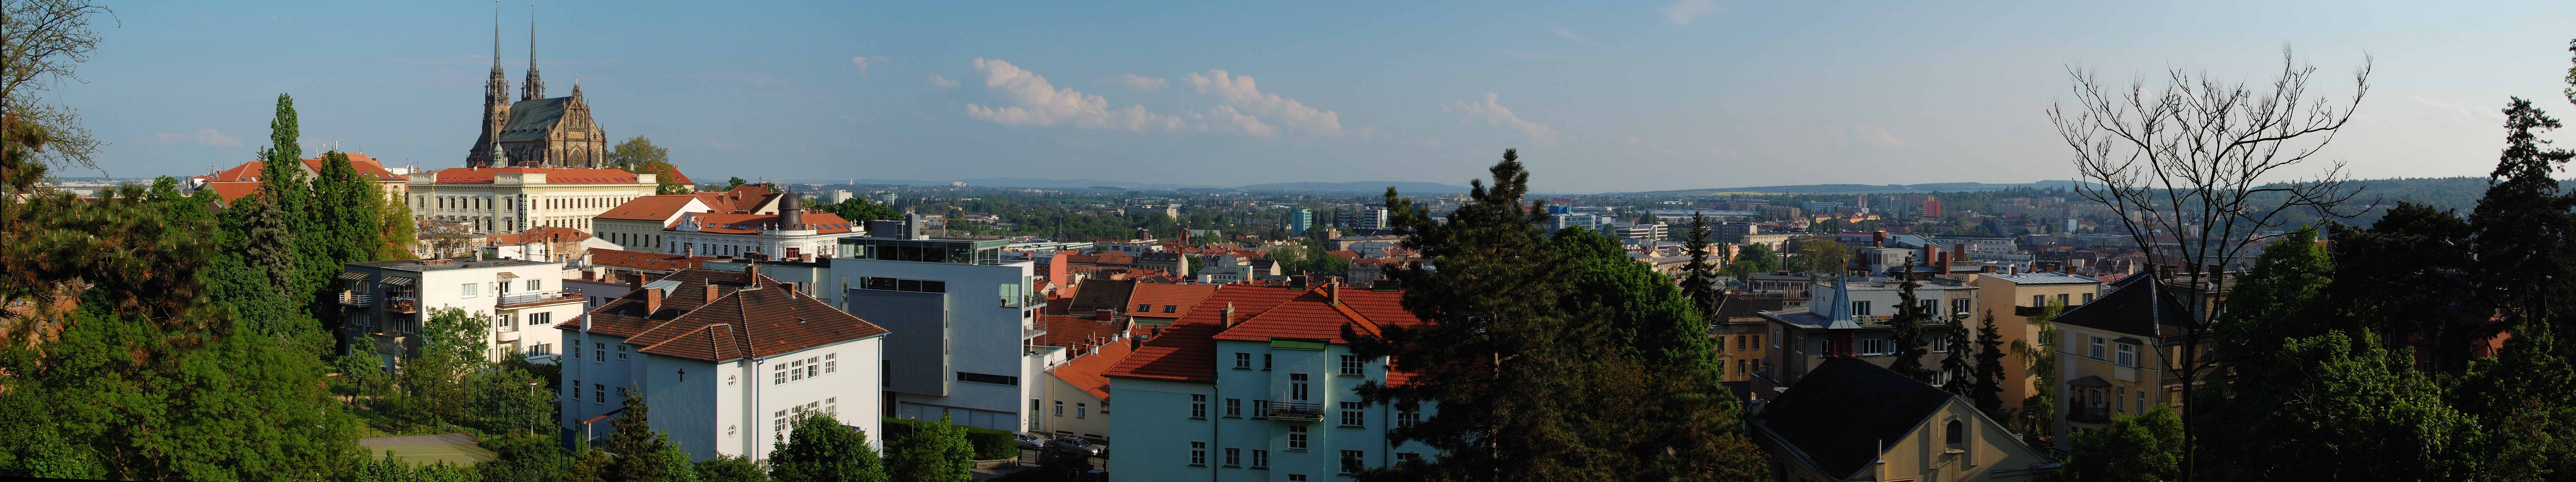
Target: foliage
820, 449
1989, 372
1053, 466
1821, 256
2275, 301
935, 453
639, 155
2520, 229
391, 469
45, 40
860, 210
1699, 276
2522, 401
2146, 447
1910, 330
637, 447
731, 468
2338, 408
2037, 420
521, 457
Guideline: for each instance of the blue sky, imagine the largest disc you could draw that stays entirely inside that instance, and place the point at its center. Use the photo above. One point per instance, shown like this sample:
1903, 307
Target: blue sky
1598, 96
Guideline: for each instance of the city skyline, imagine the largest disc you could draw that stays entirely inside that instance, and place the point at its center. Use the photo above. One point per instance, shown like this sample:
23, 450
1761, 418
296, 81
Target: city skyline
1599, 98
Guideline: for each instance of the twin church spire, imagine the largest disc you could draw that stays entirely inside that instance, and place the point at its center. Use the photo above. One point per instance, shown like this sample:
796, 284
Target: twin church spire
533, 130
497, 89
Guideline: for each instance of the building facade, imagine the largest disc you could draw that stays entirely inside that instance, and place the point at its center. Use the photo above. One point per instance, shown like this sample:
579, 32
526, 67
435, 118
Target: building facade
385, 303
1855, 421
500, 200
1857, 315
2120, 354
2026, 294
949, 351
792, 234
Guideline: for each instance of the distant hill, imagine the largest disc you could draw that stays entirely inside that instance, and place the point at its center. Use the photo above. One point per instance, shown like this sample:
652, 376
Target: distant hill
1360, 186
1858, 188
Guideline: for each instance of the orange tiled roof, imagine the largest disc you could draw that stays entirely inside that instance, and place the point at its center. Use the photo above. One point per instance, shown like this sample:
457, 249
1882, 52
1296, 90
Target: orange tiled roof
1186, 350
645, 260
232, 191
747, 197
246, 172
1087, 372
554, 175
1179, 298
736, 324
822, 223
650, 208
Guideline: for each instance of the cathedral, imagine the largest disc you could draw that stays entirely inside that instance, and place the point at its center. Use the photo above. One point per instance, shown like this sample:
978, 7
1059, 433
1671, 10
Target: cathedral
536, 131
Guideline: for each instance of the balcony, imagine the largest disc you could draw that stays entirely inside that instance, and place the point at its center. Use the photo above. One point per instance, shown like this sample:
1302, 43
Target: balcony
1025, 300
510, 301
400, 305
1035, 327
2090, 415
1296, 410
356, 298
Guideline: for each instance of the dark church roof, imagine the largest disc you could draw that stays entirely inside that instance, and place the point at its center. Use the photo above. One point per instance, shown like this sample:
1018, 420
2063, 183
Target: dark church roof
529, 119
1838, 416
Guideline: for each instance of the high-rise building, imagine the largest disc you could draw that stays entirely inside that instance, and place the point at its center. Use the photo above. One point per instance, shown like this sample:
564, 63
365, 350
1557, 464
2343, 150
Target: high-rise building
1299, 220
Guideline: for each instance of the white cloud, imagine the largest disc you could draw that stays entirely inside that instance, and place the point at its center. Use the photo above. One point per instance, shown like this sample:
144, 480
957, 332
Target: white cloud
1568, 34
1239, 92
1133, 81
1035, 102
941, 83
1498, 116
1686, 11
862, 62
1876, 137
204, 137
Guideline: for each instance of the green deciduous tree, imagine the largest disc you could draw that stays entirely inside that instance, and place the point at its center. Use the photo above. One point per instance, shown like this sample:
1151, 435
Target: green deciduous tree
2146, 447
731, 468
393, 469
932, 453
1821, 256
2037, 418
639, 155
521, 457
820, 449
2337, 408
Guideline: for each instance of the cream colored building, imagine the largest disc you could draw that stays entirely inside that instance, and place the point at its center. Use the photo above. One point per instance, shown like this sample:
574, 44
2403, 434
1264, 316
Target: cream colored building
2119, 354
386, 303
1851, 420
638, 224
507, 200
2014, 297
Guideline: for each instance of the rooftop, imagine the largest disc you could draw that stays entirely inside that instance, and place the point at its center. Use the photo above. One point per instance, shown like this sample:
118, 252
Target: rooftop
450, 264
554, 175
1839, 416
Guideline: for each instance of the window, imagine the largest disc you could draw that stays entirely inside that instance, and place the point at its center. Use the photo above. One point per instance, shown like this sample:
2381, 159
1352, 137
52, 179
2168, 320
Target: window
1170, 308
1198, 454
1860, 308
1775, 339
1958, 433
2038, 300
1233, 408
830, 362
1402, 457
2061, 298
1081, 410
2088, 298
2120, 399
1265, 362
1877, 346
1352, 367
576, 389
541, 318
1739, 366
1198, 407
506, 322
1144, 308
536, 284
1242, 361
1297, 386
1297, 438
1351, 460
599, 352
1354, 415
1406, 418
467, 290
778, 374
1739, 342
813, 367
621, 352
1296, 477
992, 379
1959, 306
1233, 457
1059, 408
541, 349
2142, 400
1940, 344
2128, 355
575, 345
598, 393
2097, 347
778, 422
1260, 459
1260, 408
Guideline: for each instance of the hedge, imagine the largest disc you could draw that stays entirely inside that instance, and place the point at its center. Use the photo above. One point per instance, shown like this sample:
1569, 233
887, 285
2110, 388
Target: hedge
989, 444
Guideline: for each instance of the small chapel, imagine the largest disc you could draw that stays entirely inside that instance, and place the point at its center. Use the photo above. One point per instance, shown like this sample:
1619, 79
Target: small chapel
535, 131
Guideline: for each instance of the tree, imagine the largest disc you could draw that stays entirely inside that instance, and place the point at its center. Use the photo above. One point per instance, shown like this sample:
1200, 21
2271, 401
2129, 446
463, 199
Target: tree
2146, 447
46, 40
933, 453
2519, 230
391, 469
1699, 277
730, 184
820, 449
2276, 301
636, 447
448, 238
2038, 416
1822, 256
2340, 408
2521, 400
1989, 372
1910, 330
521, 457
639, 155
731, 468
860, 210
1958, 370
2201, 154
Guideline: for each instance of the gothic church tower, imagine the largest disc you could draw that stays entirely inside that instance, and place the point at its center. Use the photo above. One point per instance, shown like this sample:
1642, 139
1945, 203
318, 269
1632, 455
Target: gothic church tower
496, 103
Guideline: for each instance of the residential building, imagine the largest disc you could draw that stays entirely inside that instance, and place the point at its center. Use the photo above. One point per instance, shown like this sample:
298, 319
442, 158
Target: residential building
792, 234
1258, 384
548, 243
1852, 420
1365, 216
1158, 304
241, 180
2026, 293
949, 352
726, 358
1739, 330
1175, 263
812, 278
1732, 231
1300, 220
640, 224
1854, 316
1073, 396
385, 303
517, 198
2118, 354
1102, 295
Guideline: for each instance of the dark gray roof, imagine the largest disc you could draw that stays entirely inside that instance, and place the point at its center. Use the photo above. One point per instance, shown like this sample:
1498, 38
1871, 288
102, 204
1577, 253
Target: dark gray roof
1839, 415
2042, 278
529, 119
1100, 294
2136, 305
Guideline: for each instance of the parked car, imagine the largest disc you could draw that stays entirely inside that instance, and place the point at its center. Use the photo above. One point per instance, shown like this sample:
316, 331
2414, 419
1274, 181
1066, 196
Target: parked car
1093, 476
1030, 441
1070, 443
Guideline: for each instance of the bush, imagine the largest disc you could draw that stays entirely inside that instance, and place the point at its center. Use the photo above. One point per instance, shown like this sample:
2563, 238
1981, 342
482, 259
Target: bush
989, 444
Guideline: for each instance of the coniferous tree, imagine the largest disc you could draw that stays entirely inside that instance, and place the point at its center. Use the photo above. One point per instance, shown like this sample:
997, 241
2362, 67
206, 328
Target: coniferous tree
2520, 229
637, 448
1990, 374
1699, 277
1957, 372
1908, 337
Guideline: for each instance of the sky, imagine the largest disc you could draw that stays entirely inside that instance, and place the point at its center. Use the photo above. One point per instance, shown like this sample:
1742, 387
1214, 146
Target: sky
1597, 96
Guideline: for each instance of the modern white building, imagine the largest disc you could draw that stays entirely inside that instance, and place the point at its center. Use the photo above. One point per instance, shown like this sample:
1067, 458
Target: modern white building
384, 304
724, 358
961, 319
1257, 384
638, 224
510, 199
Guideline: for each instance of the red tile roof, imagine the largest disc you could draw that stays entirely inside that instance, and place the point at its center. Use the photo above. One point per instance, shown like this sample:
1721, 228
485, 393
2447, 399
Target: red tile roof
747, 197
650, 208
545, 234
231, 191
1186, 350
645, 260
822, 223
1080, 332
1087, 372
740, 323
246, 172
554, 175
1180, 297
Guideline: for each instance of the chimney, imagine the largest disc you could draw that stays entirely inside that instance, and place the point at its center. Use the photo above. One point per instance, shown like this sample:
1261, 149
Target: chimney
652, 302
1102, 314
711, 292
1227, 317
1878, 239
1333, 291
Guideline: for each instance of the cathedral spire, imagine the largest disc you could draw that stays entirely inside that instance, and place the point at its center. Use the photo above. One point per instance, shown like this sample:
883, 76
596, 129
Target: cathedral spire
534, 88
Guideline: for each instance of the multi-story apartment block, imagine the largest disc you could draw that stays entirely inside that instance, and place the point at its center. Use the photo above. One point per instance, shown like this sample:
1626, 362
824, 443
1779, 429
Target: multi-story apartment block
1857, 315
1074, 397
1256, 383
1300, 220
510, 199
384, 304
725, 358
2026, 294
2119, 354
949, 351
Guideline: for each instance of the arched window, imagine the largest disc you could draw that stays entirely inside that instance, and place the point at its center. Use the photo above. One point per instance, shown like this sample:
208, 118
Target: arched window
1958, 432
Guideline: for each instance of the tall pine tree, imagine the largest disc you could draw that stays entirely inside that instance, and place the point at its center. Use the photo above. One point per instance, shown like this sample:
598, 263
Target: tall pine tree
1990, 375
1909, 334
2522, 225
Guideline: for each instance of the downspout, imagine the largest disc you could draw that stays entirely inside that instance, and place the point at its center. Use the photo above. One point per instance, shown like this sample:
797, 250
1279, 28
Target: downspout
1216, 422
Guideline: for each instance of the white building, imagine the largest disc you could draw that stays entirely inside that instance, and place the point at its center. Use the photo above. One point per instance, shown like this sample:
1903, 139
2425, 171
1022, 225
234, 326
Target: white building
511, 199
1256, 384
950, 351
724, 358
384, 304
638, 224
792, 234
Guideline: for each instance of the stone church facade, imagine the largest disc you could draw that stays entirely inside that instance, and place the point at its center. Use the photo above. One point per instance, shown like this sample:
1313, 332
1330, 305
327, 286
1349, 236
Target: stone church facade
535, 131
